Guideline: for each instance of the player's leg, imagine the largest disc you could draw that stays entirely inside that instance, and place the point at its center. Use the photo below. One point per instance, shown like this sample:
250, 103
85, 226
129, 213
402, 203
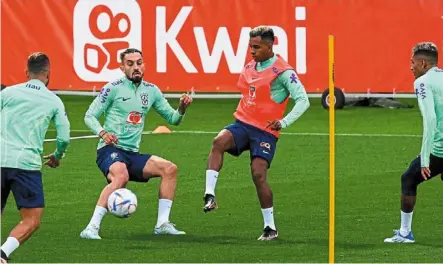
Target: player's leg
145, 167
223, 142
111, 162
117, 178
5, 187
263, 147
30, 222
27, 188
410, 180
234, 140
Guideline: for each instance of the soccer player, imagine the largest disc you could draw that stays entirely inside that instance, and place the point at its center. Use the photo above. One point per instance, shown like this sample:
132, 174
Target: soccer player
26, 111
265, 83
126, 102
429, 90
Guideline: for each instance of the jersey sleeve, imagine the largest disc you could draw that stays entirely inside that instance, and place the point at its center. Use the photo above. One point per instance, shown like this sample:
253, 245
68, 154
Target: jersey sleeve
62, 127
98, 106
163, 108
426, 104
4, 95
289, 80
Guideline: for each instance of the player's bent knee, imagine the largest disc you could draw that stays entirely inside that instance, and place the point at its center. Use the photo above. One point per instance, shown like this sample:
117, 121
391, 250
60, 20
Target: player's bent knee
170, 170
118, 168
218, 143
35, 223
408, 185
259, 168
32, 222
259, 176
119, 173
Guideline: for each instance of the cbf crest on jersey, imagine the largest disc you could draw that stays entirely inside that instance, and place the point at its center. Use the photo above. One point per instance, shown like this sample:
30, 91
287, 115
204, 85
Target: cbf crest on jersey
251, 98
144, 98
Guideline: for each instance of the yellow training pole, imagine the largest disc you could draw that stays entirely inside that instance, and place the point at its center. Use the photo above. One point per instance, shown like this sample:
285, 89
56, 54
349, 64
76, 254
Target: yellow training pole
331, 151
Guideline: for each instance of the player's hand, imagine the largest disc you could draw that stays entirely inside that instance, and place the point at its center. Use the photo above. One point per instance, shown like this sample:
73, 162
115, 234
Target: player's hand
274, 125
51, 161
425, 173
108, 138
185, 101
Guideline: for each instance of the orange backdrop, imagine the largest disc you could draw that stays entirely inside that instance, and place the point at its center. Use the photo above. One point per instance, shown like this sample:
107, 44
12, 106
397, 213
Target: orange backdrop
203, 44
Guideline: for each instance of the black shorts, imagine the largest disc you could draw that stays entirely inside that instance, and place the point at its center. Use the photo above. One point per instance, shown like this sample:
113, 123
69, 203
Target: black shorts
26, 186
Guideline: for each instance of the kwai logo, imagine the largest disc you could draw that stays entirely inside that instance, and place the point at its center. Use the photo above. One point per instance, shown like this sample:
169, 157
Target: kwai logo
102, 30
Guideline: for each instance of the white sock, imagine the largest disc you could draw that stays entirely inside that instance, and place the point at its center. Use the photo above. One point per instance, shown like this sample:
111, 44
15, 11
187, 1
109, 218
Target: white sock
10, 245
406, 223
268, 217
211, 181
164, 209
97, 217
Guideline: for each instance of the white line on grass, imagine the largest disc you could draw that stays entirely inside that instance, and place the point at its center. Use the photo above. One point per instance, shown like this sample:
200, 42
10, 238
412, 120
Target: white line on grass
82, 137
283, 133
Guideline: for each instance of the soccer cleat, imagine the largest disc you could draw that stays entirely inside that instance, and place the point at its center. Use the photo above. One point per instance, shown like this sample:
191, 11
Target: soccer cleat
4, 258
268, 234
168, 228
90, 233
398, 238
210, 203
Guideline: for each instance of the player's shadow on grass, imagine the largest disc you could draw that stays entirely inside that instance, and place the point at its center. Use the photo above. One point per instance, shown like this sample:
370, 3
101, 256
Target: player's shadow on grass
437, 245
229, 240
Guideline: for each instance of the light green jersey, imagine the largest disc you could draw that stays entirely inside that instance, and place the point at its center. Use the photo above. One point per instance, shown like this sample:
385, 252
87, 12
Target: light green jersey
125, 107
429, 91
26, 111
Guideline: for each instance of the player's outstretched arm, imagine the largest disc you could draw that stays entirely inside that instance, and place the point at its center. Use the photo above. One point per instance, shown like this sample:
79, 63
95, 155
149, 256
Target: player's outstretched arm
162, 106
426, 104
96, 109
290, 81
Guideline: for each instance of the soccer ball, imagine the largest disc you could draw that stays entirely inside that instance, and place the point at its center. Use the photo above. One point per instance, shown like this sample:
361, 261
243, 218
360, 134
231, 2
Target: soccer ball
122, 203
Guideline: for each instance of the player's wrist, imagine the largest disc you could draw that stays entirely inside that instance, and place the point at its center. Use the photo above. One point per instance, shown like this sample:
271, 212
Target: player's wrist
102, 133
283, 123
58, 155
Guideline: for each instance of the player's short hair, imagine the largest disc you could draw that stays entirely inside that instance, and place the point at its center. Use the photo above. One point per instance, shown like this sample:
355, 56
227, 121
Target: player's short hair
129, 51
427, 49
264, 32
38, 62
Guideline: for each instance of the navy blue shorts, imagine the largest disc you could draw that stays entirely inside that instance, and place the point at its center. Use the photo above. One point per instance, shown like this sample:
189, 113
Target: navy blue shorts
135, 162
246, 137
26, 186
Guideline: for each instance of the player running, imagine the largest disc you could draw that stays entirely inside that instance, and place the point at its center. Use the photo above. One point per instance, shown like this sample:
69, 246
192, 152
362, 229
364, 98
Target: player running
429, 90
266, 83
126, 102
26, 111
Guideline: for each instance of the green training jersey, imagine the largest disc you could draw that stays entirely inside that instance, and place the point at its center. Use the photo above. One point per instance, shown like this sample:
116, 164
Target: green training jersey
26, 111
125, 107
429, 91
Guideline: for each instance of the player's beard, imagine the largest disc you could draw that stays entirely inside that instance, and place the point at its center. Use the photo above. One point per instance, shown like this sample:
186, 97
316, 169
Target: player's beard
136, 80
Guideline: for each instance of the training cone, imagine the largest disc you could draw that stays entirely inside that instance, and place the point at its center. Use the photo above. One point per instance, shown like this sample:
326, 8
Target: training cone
162, 130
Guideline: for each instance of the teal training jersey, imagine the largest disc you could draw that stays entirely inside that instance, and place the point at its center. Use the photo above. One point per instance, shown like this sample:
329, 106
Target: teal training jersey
125, 107
287, 84
26, 111
429, 91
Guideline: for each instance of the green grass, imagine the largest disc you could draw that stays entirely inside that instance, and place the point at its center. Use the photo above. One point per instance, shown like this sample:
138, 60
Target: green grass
368, 170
